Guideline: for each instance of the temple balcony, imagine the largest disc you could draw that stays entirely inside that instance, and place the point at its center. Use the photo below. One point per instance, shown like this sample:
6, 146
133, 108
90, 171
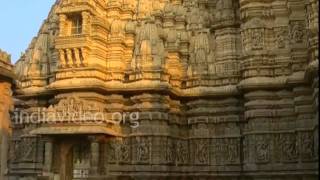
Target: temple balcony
73, 50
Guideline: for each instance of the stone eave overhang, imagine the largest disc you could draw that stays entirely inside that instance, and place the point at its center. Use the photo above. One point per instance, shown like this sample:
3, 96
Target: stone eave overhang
7, 74
130, 88
64, 129
155, 86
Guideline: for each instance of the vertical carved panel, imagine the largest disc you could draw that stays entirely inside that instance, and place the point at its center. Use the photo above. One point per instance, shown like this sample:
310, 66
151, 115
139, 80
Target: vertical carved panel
142, 150
262, 148
307, 152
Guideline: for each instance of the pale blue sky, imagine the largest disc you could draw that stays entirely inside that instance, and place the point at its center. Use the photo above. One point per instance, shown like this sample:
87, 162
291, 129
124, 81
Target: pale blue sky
20, 21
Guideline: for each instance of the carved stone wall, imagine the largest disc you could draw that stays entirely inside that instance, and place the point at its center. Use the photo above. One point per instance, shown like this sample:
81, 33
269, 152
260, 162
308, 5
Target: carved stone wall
6, 106
200, 89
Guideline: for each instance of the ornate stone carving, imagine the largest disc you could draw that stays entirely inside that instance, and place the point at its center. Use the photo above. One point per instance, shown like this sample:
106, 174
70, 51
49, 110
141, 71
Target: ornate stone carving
307, 146
297, 32
233, 151
182, 152
27, 150
111, 152
257, 38
143, 149
201, 49
201, 147
75, 109
281, 35
124, 150
262, 148
149, 48
289, 147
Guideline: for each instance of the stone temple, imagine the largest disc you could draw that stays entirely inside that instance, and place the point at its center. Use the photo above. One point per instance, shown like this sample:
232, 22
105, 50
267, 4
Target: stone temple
165, 90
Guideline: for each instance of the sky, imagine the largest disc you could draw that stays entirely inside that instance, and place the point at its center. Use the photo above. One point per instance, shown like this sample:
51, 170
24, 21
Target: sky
20, 21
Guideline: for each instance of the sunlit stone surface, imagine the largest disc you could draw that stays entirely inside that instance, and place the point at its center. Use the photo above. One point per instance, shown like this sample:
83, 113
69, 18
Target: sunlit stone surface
160, 89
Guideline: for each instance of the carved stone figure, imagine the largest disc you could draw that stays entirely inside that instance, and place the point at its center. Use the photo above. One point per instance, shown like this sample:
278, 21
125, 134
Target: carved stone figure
170, 152
289, 147
124, 151
307, 146
149, 49
201, 151
112, 152
297, 32
281, 37
182, 152
232, 151
257, 38
143, 149
201, 48
262, 148
27, 149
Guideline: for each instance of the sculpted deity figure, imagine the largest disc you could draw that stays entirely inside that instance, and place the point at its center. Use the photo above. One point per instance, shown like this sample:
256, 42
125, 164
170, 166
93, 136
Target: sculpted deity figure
200, 48
149, 47
34, 69
182, 152
262, 149
202, 151
289, 147
143, 149
297, 32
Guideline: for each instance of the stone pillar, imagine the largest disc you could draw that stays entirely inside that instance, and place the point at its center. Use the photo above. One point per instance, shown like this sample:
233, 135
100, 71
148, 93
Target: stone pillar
4, 154
95, 146
62, 58
69, 56
63, 24
48, 155
66, 161
77, 57
85, 22
5, 131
